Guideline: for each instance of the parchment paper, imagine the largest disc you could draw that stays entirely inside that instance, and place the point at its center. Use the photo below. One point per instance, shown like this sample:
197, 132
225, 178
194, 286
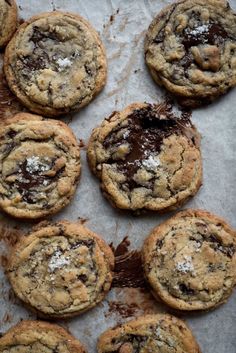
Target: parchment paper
122, 26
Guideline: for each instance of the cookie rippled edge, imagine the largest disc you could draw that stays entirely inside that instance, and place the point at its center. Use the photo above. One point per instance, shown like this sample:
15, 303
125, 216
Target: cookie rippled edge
55, 63
39, 337
39, 166
153, 333
146, 158
61, 269
8, 20
190, 49
190, 260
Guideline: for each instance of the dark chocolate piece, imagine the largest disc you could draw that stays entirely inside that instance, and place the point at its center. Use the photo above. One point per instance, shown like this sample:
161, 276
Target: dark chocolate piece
211, 33
148, 128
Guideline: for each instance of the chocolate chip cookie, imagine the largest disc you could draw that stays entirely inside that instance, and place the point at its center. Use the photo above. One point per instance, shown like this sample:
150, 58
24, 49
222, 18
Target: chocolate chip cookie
61, 270
8, 20
150, 333
190, 49
55, 63
190, 260
39, 166
39, 337
146, 158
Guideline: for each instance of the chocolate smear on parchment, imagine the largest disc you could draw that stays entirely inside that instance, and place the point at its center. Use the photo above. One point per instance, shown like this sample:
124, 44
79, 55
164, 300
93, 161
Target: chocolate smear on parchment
128, 270
9, 235
9, 104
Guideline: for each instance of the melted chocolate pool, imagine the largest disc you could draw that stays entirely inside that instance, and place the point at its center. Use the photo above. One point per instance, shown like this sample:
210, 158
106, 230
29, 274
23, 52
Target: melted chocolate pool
31, 177
147, 128
212, 33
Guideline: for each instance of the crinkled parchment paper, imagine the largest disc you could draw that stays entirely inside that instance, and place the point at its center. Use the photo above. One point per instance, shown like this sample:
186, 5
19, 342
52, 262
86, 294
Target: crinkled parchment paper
122, 26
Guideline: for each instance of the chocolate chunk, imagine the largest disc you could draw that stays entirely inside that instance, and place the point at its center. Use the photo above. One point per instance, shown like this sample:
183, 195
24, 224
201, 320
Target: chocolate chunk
39, 36
9, 2
39, 63
211, 33
8, 148
159, 37
148, 128
83, 278
160, 243
88, 243
11, 134
228, 250
186, 290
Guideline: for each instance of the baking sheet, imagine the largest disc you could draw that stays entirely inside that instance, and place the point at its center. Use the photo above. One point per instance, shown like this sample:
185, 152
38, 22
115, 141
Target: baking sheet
122, 26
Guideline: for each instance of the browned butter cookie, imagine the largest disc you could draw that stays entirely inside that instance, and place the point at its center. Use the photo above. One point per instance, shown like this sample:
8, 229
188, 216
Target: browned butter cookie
146, 158
151, 333
8, 20
39, 337
61, 269
190, 260
39, 166
190, 49
55, 63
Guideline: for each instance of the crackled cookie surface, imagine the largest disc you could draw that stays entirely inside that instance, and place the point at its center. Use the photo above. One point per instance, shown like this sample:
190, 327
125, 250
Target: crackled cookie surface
8, 20
146, 158
55, 63
191, 49
39, 166
39, 337
150, 333
190, 260
61, 269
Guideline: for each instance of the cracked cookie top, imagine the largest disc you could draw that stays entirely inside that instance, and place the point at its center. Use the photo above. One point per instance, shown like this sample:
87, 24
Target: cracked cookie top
39, 337
39, 166
8, 20
150, 333
61, 269
146, 157
190, 260
190, 49
55, 63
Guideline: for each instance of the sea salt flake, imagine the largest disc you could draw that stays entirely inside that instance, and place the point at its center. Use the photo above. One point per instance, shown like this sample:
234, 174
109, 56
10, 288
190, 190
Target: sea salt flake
199, 30
126, 134
151, 163
58, 260
33, 164
186, 265
63, 63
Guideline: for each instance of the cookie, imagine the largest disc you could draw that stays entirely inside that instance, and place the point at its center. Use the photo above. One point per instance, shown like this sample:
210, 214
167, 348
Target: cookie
8, 20
39, 337
190, 49
39, 166
150, 333
190, 260
55, 63
61, 270
146, 158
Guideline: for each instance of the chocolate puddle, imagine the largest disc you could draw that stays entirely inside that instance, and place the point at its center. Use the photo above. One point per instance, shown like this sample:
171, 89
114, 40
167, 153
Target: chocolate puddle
147, 128
9, 104
128, 270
